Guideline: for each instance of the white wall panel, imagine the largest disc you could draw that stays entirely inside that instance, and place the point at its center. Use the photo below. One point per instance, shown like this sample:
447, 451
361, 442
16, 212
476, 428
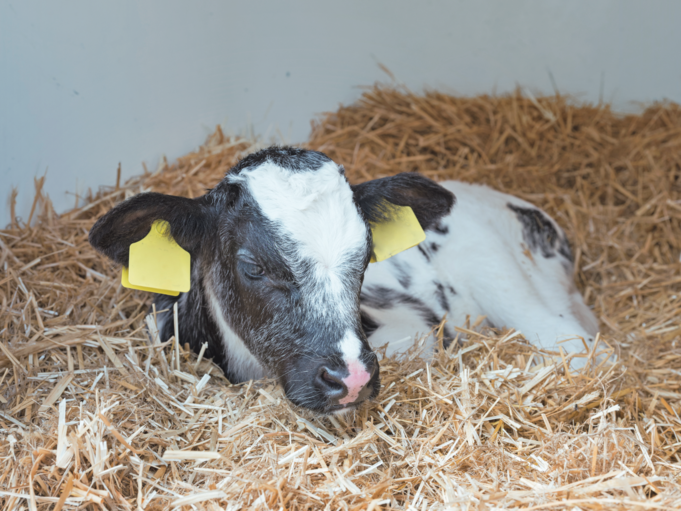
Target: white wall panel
84, 85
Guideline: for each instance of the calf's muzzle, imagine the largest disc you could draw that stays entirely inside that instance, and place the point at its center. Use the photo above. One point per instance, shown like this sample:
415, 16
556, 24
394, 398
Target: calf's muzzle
347, 385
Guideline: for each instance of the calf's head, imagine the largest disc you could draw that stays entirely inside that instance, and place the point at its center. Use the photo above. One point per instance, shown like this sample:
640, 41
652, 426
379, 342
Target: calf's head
279, 249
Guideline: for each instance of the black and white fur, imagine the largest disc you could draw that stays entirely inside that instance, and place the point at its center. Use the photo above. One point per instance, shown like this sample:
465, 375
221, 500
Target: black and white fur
494, 255
280, 286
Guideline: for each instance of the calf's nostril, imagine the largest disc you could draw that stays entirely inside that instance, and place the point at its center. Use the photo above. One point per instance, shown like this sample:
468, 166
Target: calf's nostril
332, 381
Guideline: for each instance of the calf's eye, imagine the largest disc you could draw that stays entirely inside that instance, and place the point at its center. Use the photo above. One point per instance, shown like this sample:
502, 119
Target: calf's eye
253, 270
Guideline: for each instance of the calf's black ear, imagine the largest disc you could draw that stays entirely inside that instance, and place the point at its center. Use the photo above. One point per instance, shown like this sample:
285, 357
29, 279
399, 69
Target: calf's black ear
426, 198
131, 220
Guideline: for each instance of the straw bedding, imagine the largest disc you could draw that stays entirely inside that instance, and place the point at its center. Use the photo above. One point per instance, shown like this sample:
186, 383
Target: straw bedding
93, 414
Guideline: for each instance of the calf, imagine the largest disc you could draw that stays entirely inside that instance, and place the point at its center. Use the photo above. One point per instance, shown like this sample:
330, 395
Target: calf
280, 250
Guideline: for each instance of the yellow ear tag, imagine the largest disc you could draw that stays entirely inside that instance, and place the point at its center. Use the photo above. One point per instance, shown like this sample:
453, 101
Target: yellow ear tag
158, 264
396, 235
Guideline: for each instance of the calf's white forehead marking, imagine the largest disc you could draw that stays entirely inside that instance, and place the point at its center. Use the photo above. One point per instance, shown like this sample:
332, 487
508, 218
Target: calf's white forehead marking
315, 209
350, 346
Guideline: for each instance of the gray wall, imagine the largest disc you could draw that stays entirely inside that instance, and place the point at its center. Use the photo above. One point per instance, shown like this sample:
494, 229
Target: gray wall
85, 85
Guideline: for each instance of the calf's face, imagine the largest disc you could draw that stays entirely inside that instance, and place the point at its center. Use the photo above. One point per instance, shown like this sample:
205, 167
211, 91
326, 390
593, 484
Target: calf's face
293, 248
279, 250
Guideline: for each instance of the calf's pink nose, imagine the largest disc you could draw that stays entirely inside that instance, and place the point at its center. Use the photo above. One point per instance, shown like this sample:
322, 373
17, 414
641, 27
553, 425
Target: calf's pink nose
355, 381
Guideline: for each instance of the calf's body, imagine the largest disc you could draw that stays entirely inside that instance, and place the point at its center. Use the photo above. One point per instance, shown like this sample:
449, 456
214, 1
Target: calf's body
493, 255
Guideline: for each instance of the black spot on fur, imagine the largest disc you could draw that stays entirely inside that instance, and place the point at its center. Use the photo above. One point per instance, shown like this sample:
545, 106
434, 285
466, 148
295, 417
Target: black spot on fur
434, 247
379, 297
440, 228
441, 296
452, 290
403, 274
540, 233
368, 324
425, 254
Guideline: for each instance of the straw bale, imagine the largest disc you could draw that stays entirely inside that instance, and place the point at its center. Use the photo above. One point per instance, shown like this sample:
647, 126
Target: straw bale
94, 412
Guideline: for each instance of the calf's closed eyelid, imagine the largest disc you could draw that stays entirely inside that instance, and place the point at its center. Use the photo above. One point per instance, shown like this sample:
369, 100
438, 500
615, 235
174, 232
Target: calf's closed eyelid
252, 270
